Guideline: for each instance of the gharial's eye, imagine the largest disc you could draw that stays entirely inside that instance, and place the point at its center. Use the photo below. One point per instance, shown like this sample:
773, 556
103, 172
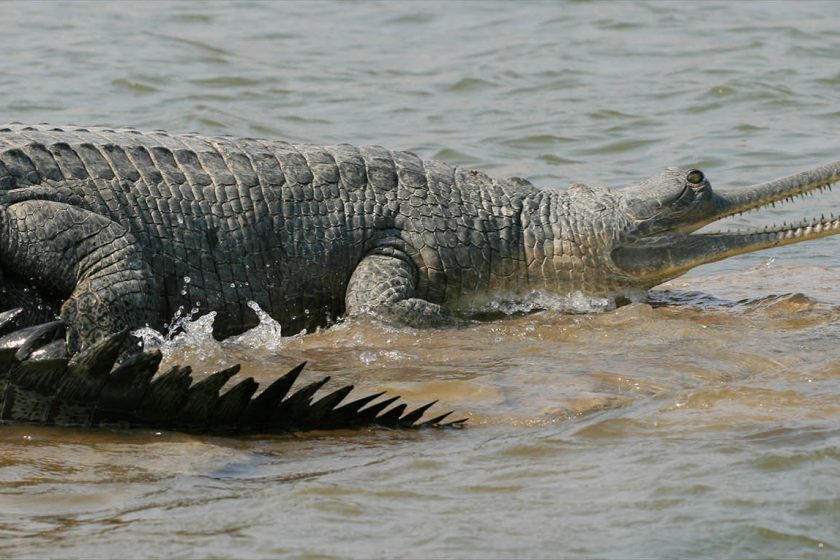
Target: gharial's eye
695, 177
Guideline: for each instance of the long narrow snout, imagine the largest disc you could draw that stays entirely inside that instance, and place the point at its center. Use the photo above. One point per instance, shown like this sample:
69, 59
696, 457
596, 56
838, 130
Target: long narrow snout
730, 202
668, 254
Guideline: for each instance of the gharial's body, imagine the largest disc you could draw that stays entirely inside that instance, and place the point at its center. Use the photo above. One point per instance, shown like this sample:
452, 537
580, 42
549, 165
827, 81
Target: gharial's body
122, 229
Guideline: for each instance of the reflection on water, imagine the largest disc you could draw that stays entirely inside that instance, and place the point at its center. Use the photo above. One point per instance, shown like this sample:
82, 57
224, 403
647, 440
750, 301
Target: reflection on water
700, 421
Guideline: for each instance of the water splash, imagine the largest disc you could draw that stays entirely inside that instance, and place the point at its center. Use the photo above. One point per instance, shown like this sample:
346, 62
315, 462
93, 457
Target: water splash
266, 336
191, 336
185, 335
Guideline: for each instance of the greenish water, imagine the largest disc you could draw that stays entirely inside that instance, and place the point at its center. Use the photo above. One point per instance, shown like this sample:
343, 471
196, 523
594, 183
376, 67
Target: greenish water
705, 423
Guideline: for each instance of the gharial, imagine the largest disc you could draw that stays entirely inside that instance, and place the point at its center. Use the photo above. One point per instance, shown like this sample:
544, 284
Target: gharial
109, 230
117, 229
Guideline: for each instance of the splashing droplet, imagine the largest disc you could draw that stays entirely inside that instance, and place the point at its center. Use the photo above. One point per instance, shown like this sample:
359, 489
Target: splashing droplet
183, 335
266, 335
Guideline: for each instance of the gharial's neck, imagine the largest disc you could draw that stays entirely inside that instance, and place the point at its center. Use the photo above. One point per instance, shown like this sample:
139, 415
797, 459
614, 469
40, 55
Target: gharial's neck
563, 237
547, 240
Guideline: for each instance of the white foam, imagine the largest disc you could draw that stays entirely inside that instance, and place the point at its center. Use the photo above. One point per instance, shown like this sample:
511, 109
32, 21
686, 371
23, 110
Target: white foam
575, 302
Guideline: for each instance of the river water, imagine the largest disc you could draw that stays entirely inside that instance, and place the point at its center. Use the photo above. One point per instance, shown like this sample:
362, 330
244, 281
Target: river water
704, 422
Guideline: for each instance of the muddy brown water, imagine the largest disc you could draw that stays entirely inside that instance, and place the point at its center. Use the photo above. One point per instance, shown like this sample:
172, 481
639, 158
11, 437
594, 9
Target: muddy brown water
704, 422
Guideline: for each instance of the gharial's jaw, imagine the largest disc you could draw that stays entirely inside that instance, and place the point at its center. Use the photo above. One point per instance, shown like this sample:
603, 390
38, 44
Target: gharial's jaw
656, 258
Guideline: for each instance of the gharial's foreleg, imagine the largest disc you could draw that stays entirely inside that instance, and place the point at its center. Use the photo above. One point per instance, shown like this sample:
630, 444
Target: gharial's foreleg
91, 262
384, 286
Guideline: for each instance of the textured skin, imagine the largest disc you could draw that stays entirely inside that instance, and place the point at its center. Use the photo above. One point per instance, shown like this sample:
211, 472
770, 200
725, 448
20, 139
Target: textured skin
125, 228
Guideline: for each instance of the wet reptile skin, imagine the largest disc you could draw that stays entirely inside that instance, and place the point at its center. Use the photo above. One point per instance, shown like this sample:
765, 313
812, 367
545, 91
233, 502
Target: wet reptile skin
125, 227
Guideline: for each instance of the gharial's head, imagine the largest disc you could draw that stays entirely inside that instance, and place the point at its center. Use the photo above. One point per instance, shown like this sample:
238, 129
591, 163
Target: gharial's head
663, 212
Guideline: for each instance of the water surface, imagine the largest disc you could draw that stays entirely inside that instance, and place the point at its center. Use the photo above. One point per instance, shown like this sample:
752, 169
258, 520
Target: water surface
704, 422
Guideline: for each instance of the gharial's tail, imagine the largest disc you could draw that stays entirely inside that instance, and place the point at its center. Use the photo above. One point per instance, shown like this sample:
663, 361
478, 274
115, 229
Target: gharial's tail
40, 385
